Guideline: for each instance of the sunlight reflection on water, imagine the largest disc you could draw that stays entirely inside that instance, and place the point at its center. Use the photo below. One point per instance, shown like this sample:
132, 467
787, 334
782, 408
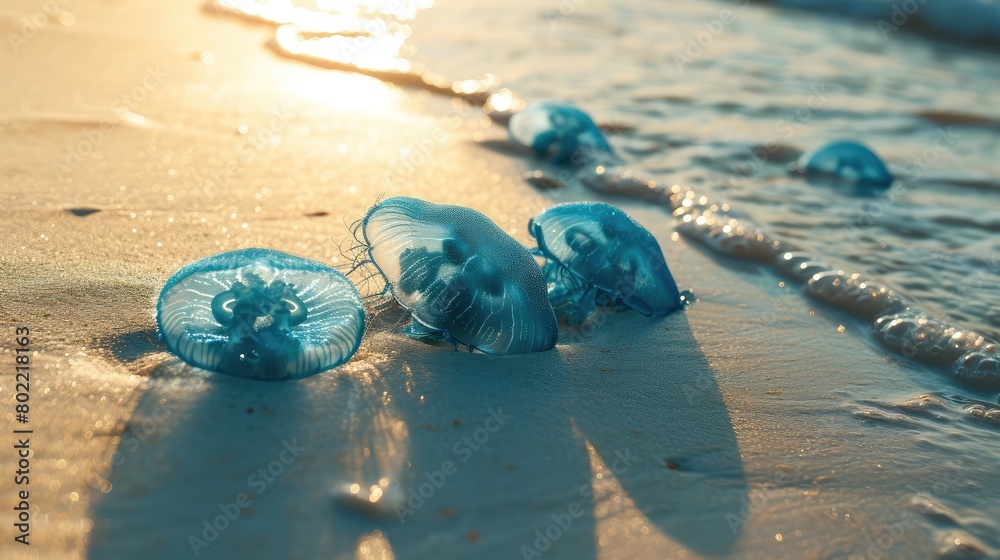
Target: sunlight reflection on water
369, 37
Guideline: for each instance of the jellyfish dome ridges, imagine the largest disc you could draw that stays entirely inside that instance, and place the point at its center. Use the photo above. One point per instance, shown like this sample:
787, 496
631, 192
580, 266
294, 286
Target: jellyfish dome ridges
462, 278
596, 253
261, 314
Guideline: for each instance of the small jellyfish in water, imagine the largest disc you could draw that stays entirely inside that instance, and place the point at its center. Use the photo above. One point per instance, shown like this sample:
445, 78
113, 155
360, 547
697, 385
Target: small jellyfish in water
546, 124
462, 278
846, 161
261, 314
595, 253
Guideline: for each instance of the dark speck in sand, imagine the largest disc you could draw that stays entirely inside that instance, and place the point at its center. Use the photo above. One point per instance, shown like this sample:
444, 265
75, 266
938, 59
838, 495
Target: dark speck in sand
456, 422
82, 212
250, 410
541, 181
505, 147
317, 214
473, 536
672, 465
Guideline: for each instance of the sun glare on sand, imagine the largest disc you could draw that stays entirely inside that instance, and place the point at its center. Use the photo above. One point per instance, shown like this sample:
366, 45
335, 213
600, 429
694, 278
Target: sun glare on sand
349, 91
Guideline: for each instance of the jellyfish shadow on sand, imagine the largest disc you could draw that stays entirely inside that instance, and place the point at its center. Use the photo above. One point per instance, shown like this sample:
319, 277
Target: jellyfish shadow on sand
569, 420
619, 437
643, 389
199, 446
211, 466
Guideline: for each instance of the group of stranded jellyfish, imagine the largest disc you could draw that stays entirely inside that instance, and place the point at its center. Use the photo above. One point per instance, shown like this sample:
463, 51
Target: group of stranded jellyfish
263, 314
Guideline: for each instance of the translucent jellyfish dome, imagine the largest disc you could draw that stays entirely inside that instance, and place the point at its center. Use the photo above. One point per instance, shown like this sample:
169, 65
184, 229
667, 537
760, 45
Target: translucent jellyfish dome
846, 161
595, 253
462, 278
261, 314
554, 125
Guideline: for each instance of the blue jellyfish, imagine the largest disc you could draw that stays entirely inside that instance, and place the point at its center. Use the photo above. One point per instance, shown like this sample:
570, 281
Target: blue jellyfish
595, 253
261, 314
461, 277
847, 161
546, 123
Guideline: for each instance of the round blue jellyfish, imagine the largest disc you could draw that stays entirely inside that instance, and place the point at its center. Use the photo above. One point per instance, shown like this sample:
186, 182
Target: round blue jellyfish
845, 160
461, 277
261, 314
543, 125
595, 253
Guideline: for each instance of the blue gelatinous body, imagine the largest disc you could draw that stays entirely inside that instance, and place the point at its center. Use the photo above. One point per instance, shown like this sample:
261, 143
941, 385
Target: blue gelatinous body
462, 278
545, 124
261, 314
848, 161
595, 253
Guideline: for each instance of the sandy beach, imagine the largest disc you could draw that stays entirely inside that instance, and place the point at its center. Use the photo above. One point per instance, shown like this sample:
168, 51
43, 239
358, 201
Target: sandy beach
139, 137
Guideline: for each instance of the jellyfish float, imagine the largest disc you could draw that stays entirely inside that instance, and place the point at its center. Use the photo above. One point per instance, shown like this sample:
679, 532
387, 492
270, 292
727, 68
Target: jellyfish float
261, 314
847, 161
546, 124
462, 278
595, 253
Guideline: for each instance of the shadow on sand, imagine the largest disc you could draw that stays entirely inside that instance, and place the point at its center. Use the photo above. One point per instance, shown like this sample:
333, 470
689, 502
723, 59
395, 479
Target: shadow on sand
473, 455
